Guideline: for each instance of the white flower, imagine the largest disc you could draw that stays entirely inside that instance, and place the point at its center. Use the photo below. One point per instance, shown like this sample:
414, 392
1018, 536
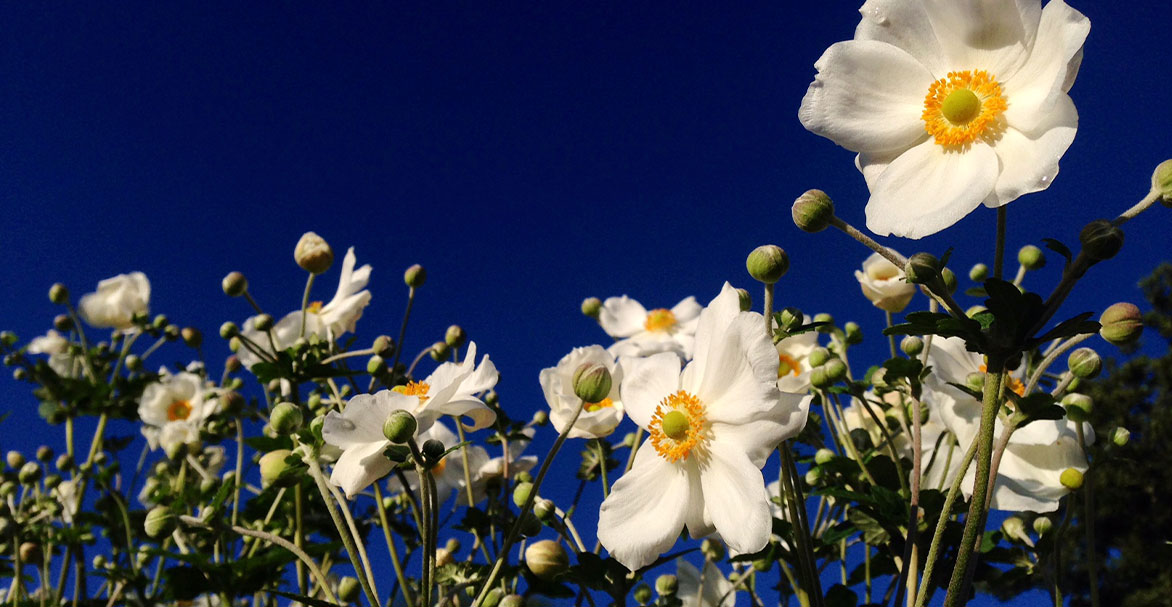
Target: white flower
793, 353
493, 470
597, 419
452, 389
1036, 455
449, 472
340, 315
935, 440
883, 284
642, 333
950, 104
711, 427
711, 589
57, 347
66, 494
116, 302
174, 408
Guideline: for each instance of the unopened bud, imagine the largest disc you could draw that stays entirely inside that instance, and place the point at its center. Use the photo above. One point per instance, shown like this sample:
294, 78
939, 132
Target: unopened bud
191, 336
1014, 528
813, 211
791, 318
1084, 363
823, 456
713, 550
911, 345
1122, 324
922, 268
286, 418
234, 284
1031, 257
852, 333
64, 462
273, 468
1071, 478
767, 263
1043, 525
667, 585
512, 600
826, 322
229, 330
813, 476
1162, 182
232, 364
14, 459
440, 351
1101, 240
455, 336
979, 273
592, 382
642, 594
313, 253
400, 426
433, 451
592, 307
818, 357
819, 379
540, 418
547, 559
63, 323
375, 365
58, 294
415, 276
975, 382
348, 589
30, 553
159, 522
29, 473
835, 370
544, 509
746, 300
521, 494
44, 453
264, 322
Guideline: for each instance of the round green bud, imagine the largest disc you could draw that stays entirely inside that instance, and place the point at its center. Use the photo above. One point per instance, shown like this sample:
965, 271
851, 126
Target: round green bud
234, 284
791, 318
979, 273
99, 562
1162, 182
264, 322
521, 494
400, 426
813, 211
1101, 240
763, 564
491, 398
642, 594
30, 553
133, 362
713, 550
455, 336
530, 525
767, 263
433, 451
1031, 257
29, 473
813, 476
348, 589
629, 440
523, 477
51, 481
835, 370
592, 307
823, 456
58, 294
274, 470
1071, 478
592, 382
547, 559
19, 374
313, 253
667, 585
1084, 363
452, 545
1122, 324
922, 268
63, 323
159, 522
512, 600
949, 278
1043, 525
64, 462
14, 459
383, 346
286, 418
746, 300
415, 276
1120, 436
229, 330
376, 365
191, 336
8, 488
44, 453
440, 351
540, 418
975, 382
818, 357
232, 364
544, 509
819, 378
852, 333
827, 322
912, 346
1014, 528
171, 332
160, 322
493, 598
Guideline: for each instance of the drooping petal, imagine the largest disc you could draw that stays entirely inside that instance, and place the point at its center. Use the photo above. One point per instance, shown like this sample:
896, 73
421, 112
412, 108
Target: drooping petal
759, 436
622, 316
1029, 164
361, 422
1043, 80
644, 513
734, 494
867, 97
646, 382
929, 188
360, 466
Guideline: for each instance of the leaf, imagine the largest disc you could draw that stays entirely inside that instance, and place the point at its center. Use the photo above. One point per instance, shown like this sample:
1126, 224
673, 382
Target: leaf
302, 599
873, 533
841, 596
1058, 248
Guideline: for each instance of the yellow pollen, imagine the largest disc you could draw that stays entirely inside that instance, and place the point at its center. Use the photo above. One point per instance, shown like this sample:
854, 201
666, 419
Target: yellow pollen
414, 388
439, 468
787, 365
964, 107
178, 410
314, 307
678, 426
602, 404
660, 320
1014, 384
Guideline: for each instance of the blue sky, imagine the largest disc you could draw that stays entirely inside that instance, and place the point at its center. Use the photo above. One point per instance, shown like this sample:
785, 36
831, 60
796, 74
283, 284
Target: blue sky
528, 156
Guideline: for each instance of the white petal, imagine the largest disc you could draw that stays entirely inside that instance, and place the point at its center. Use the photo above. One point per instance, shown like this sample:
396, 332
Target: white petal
867, 97
622, 316
1029, 164
712, 331
644, 513
686, 310
904, 25
1053, 64
872, 164
646, 382
734, 495
760, 436
992, 35
929, 188
361, 466
361, 422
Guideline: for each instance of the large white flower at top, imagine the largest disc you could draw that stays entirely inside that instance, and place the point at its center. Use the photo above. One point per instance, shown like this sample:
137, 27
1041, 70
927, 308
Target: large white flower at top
340, 315
174, 408
597, 419
452, 389
711, 427
642, 333
116, 302
950, 104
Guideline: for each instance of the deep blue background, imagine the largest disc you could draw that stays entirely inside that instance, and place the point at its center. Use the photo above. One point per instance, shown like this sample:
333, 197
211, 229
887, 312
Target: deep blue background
528, 156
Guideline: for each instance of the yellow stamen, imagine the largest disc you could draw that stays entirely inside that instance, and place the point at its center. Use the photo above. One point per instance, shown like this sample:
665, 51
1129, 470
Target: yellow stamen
602, 404
787, 365
178, 410
660, 320
964, 107
1014, 384
678, 426
314, 307
439, 468
414, 388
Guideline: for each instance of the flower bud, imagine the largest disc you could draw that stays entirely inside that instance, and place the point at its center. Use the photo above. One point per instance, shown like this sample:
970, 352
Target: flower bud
975, 382
912, 346
979, 273
44, 453
1122, 324
171, 332
415, 276
234, 284
375, 365
232, 364
544, 509
818, 357
400, 426
791, 318
813, 211
160, 322
313, 254
1120, 436
14, 459
30, 553
592, 382
1043, 525
767, 263
1031, 257
827, 321
440, 351
746, 300
530, 525
521, 493
642, 594
452, 545
1101, 240
1084, 363
455, 336
540, 418
512, 600
852, 333
1162, 182
273, 468
229, 330
713, 550
191, 336
286, 418
592, 307
159, 522
547, 559
348, 589
835, 370
922, 268
523, 477
8, 489
819, 379
264, 322
442, 557
823, 456
1071, 478
63, 323
433, 451
813, 476
1078, 406
667, 585
64, 462
1014, 528
58, 294
29, 473
949, 278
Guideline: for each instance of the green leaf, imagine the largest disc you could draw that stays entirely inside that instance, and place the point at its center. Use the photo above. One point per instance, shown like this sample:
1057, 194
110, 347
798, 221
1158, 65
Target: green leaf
302, 599
841, 596
1058, 248
873, 532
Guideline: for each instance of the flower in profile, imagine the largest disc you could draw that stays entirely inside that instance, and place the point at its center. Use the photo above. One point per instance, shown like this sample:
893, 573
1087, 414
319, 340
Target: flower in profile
492, 471
338, 316
950, 105
1037, 454
641, 332
597, 419
883, 284
174, 408
452, 389
711, 427
793, 353
116, 302
57, 348
703, 589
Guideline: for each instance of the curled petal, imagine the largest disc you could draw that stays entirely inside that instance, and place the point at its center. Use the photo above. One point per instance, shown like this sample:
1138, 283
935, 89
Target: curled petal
644, 513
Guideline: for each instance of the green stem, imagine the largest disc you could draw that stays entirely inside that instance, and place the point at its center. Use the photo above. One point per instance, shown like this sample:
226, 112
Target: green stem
801, 527
999, 245
602, 467
403, 327
299, 534
427, 504
304, 307
1088, 492
343, 531
395, 563
941, 523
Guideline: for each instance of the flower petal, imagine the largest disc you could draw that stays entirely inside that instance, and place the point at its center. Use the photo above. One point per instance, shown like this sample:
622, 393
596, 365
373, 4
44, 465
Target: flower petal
929, 188
904, 25
361, 466
1029, 164
992, 35
867, 97
712, 333
734, 495
1053, 63
646, 382
361, 422
760, 436
622, 316
644, 513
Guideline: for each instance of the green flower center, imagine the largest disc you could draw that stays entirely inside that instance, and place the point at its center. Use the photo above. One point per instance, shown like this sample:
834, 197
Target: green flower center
675, 425
961, 106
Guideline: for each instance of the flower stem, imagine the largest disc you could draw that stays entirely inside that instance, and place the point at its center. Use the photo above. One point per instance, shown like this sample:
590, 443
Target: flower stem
343, 532
941, 523
602, 467
999, 246
799, 524
305, 302
1088, 512
395, 563
428, 506
403, 327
